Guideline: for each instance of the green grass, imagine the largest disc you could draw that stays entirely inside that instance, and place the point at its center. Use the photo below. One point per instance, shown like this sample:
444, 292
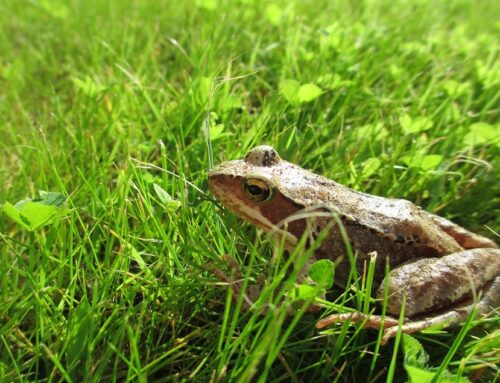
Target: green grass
100, 100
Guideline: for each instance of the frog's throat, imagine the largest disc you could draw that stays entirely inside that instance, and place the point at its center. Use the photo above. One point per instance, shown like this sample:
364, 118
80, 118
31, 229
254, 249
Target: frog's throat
255, 217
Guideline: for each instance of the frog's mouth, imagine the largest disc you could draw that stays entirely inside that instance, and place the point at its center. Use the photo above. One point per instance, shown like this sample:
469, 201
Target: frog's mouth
256, 218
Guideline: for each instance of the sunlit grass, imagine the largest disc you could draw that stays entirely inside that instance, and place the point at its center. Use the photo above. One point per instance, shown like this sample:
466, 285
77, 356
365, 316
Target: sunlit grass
124, 106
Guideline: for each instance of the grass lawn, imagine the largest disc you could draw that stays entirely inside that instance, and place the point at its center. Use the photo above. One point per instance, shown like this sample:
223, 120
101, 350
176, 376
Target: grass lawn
124, 106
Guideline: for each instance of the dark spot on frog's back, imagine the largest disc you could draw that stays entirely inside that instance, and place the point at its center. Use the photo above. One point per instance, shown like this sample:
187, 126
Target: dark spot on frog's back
269, 158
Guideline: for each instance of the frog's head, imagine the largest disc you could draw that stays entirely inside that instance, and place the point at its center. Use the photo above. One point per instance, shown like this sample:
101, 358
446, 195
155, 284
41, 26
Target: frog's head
253, 188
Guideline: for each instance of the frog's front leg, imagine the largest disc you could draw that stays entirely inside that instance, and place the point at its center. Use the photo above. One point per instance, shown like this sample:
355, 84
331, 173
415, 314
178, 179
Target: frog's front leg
236, 281
433, 285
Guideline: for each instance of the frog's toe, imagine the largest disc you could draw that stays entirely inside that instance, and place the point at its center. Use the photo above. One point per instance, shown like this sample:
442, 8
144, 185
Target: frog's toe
444, 320
367, 321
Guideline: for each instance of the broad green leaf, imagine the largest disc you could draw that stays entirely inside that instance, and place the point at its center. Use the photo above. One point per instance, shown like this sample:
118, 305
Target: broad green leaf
231, 101
304, 292
14, 214
38, 214
482, 133
415, 47
274, 14
308, 93
397, 72
456, 89
204, 88
414, 125
33, 213
21, 203
405, 121
50, 198
488, 75
372, 131
168, 202
414, 352
422, 375
415, 364
370, 166
322, 272
333, 36
88, 86
216, 131
418, 374
46, 198
290, 90
149, 178
56, 8
210, 5
431, 161
427, 162
332, 81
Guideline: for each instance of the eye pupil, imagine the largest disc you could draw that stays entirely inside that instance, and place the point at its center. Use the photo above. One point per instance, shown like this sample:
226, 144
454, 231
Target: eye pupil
255, 190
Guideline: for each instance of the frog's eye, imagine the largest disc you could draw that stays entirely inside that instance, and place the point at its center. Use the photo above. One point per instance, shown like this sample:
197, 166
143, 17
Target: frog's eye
257, 190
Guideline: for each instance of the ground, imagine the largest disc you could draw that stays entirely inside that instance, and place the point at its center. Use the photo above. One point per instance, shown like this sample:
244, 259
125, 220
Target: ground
123, 107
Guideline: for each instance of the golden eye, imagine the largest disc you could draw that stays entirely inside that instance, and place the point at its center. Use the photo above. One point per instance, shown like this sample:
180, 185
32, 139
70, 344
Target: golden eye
257, 190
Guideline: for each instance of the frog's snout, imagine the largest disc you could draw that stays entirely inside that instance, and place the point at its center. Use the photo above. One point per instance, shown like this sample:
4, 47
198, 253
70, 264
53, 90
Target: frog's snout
213, 180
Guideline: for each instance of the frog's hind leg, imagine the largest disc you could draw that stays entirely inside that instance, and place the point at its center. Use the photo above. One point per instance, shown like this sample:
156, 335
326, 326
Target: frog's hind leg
431, 284
465, 238
491, 299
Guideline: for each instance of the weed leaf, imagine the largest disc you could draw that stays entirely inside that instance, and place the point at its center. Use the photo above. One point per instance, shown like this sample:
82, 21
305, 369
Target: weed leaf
322, 272
13, 213
415, 364
166, 199
482, 133
37, 212
290, 90
414, 125
425, 163
370, 166
305, 291
309, 92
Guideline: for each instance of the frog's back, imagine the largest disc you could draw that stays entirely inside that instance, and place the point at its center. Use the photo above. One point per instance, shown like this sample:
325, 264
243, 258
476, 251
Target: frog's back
393, 228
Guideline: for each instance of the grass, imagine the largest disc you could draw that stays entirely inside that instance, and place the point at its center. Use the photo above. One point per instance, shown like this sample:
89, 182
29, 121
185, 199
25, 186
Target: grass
103, 100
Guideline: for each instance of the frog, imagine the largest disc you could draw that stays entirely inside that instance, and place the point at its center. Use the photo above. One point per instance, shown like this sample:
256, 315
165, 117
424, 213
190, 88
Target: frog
439, 272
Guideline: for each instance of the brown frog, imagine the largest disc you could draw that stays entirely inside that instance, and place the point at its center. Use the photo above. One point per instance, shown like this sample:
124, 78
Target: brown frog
437, 265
